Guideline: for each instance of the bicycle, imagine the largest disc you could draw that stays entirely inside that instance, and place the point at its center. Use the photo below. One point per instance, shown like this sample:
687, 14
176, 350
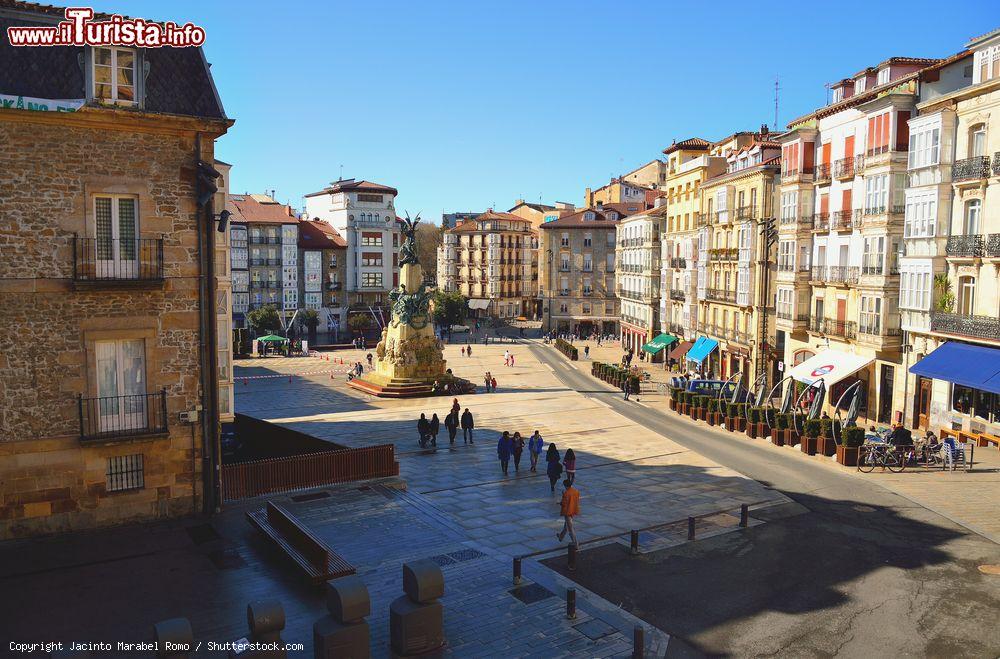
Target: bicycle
879, 454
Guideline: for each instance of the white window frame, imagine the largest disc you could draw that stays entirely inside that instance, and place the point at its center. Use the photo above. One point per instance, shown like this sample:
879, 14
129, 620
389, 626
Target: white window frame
883, 76
920, 217
114, 83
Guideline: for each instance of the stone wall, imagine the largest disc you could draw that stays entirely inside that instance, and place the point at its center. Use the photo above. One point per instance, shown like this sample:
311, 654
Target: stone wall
49, 480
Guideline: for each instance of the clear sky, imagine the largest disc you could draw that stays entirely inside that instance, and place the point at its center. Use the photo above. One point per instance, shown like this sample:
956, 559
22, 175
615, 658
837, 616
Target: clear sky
469, 104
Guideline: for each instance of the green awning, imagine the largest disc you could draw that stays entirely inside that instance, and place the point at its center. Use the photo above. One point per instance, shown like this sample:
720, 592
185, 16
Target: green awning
659, 343
271, 338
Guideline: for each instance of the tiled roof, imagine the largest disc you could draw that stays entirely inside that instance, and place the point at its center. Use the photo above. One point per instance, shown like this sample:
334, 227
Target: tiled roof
178, 82
317, 234
353, 185
253, 211
576, 221
691, 143
498, 215
541, 208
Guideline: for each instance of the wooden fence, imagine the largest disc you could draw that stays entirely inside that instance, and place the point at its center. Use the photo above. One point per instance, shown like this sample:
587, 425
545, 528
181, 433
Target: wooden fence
250, 479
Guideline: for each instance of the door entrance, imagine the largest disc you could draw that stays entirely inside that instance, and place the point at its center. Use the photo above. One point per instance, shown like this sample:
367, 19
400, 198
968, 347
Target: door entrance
121, 385
117, 233
922, 404
885, 394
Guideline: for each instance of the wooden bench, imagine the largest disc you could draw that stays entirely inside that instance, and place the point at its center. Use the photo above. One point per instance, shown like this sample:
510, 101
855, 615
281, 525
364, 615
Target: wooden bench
985, 439
319, 562
948, 432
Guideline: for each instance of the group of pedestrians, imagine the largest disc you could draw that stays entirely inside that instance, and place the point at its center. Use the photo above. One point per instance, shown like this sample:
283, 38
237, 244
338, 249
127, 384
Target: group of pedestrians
508, 358
490, 382
467, 351
428, 429
512, 446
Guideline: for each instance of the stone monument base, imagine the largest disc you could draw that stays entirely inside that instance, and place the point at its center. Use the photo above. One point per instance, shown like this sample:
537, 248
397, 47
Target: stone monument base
377, 384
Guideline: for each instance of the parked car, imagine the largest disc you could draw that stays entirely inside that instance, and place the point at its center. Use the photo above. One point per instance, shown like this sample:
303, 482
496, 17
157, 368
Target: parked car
458, 329
713, 387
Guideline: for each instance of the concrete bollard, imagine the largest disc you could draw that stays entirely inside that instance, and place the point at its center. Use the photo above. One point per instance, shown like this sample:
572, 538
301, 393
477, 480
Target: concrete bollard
638, 642
633, 542
690, 528
344, 632
517, 571
416, 620
571, 603
744, 515
571, 557
178, 634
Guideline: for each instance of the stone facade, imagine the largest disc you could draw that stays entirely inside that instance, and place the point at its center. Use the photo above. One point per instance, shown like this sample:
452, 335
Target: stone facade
52, 480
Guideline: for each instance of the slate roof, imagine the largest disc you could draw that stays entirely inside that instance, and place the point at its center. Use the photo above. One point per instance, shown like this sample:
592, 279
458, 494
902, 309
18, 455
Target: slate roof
353, 185
178, 83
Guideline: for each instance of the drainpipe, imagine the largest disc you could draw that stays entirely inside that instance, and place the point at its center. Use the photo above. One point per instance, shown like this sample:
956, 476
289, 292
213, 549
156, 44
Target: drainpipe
211, 468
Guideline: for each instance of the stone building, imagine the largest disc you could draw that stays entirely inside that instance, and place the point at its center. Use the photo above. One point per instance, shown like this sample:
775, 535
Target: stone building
733, 262
492, 260
323, 260
621, 191
577, 270
109, 391
538, 214
949, 297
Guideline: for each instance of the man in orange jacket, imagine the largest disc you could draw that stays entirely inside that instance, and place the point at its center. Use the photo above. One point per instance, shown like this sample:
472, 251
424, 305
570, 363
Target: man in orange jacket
569, 508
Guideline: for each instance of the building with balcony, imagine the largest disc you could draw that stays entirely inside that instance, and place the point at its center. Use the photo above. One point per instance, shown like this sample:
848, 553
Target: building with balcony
108, 283
689, 164
364, 214
734, 263
949, 295
840, 230
577, 270
492, 260
637, 270
272, 232
322, 258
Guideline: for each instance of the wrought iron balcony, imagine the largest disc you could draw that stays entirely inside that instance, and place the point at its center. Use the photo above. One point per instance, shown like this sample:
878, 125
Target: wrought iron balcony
970, 169
746, 213
993, 246
97, 261
700, 219
723, 254
677, 294
875, 327
969, 246
114, 417
720, 295
848, 167
792, 316
830, 327
835, 274
822, 172
821, 222
983, 327
842, 220
678, 262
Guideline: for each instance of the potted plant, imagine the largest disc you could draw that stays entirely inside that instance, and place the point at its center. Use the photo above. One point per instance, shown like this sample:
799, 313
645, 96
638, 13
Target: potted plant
672, 401
739, 417
826, 443
695, 410
779, 429
792, 436
682, 402
753, 419
811, 436
852, 438
712, 416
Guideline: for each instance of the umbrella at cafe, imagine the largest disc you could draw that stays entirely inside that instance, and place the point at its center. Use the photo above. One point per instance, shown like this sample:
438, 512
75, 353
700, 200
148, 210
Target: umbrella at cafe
272, 338
788, 401
818, 400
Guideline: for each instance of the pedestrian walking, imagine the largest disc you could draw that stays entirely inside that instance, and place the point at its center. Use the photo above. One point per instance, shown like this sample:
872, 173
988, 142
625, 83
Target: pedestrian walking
456, 409
518, 448
535, 449
553, 468
451, 423
369, 358
569, 507
504, 448
463, 351
569, 462
423, 429
435, 427
506, 357
468, 425
512, 359
486, 381
627, 386
586, 352
493, 384
468, 351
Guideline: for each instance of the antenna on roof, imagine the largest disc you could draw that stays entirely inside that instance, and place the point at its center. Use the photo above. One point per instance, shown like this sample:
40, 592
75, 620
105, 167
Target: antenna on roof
776, 88
341, 172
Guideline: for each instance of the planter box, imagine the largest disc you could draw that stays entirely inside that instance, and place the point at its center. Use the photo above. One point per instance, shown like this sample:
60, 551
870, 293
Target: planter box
741, 424
752, 430
847, 455
778, 437
756, 430
672, 404
682, 408
826, 446
808, 445
712, 418
792, 438
729, 422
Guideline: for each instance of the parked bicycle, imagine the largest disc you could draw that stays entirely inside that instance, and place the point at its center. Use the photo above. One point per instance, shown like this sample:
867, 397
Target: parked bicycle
881, 454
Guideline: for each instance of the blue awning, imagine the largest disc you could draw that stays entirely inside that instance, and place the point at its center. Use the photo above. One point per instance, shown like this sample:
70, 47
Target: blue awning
974, 366
702, 348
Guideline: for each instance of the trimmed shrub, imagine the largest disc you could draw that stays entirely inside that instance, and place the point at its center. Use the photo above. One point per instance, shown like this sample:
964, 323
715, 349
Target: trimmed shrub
713, 404
754, 414
782, 421
568, 349
826, 427
852, 436
812, 427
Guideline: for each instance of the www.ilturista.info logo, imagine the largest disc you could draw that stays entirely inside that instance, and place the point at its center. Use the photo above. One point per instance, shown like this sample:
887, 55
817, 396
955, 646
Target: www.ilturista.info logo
79, 29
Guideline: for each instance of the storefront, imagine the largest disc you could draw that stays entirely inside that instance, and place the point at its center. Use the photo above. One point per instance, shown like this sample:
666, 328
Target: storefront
839, 371
657, 347
698, 354
959, 387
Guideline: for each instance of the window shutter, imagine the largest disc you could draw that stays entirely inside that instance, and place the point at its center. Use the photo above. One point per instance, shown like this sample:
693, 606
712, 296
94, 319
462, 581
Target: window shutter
849, 146
871, 134
826, 154
884, 135
845, 203
902, 130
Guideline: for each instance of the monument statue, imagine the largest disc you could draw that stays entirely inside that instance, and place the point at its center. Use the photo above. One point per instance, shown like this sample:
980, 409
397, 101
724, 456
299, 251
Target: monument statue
409, 358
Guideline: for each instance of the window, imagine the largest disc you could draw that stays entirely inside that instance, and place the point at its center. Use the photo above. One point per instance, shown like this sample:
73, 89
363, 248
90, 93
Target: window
564, 286
883, 76
920, 214
588, 263
876, 193
586, 308
563, 307
125, 472
838, 94
977, 141
372, 238
967, 296
564, 262
987, 65
973, 209
116, 232
121, 385
289, 255
860, 84
925, 145
371, 280
114, 75
982, 404
588, 240
873, 255
371, 259
789, 204
587, 288
312, 300
564, 240
786, 255
915, 286
609, 265
371, 198
290, 298
589, 215
786, 303
878, 134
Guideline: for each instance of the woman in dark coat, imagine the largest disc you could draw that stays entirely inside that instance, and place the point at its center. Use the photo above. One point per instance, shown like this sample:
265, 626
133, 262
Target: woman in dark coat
504, 448
554, 468
451, 423
518, 448
435, 428
424, 428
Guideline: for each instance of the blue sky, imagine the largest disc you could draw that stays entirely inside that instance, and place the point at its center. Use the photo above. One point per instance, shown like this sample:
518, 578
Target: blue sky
466, 105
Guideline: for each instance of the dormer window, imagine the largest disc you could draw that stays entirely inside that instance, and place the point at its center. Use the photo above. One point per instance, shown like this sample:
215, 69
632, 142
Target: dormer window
859, 84
612, 216
883, 76
838, 94
987, 65
589, 215
114, 74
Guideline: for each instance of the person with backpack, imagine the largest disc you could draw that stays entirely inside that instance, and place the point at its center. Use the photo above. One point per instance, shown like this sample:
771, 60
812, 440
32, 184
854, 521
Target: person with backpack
554, 467
468, 425
535, 449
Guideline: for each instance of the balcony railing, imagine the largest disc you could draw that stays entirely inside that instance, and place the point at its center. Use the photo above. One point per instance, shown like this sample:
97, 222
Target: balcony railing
113, 417
831, 327
848, 167
876, 267
970, 169
835, 274
970, 246
265, 240
721, 295
700, 219
746, 213
97, 260
792, 317
677, 294
678, 262
822, 172
842, 220
993, 246
821, 222
273, 261
724, 254
982, 327
877, 328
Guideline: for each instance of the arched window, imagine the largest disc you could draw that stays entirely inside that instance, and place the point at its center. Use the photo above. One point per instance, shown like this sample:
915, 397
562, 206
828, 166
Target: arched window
973, 212
801, 356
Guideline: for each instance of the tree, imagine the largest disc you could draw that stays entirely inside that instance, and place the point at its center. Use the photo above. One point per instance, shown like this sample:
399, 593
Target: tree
264, 320
945, 299
429, 238
359, 322
309, 318
449, 308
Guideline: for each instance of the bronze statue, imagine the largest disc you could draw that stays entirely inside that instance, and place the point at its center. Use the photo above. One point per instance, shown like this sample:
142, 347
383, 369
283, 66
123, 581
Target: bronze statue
408, 248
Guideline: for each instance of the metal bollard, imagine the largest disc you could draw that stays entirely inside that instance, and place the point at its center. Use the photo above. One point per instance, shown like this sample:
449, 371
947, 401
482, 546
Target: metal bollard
690, 528
744, 515
634, 542
571, 603
638, 642
517, 571
571, 557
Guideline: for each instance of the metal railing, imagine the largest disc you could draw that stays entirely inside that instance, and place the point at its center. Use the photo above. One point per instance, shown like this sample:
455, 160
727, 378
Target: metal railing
791, 316
110, 417
723, 254
720, 295
972, 245
821, 222
100, 260
977, 167
677, 294
822, 172
746, 213
877, 328
983, 327
831, 327
993, 245
678, 262
848, 167
835, 274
